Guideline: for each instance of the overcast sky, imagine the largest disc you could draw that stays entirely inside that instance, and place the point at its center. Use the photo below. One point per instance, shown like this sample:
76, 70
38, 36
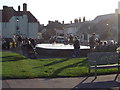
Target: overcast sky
66, 10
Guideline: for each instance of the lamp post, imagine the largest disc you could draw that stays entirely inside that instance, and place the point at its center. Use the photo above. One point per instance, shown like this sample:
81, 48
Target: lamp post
107, 26
107, 29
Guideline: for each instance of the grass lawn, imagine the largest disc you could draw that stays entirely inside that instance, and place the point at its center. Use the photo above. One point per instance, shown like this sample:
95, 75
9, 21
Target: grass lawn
17, 66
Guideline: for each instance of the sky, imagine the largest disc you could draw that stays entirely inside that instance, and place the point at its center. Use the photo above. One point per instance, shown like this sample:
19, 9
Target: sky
64, 10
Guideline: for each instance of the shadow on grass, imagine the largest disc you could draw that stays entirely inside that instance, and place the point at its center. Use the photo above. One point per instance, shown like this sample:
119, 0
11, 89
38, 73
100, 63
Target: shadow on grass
52, 63
72, 65
12, 58
56, 62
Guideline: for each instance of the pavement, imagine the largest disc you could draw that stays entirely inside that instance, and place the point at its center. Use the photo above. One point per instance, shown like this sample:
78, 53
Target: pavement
102, 81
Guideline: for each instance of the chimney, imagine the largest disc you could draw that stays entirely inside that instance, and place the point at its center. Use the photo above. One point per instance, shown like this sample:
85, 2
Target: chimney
56, 20
62, 22
49, 22
24, 7
19, 8
79, 19
84, 19
76, 21
4, 7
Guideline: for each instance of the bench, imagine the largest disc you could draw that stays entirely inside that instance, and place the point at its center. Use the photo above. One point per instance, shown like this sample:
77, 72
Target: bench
101, 60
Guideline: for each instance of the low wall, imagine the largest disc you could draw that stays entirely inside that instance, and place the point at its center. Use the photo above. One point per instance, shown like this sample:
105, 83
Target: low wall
60, 52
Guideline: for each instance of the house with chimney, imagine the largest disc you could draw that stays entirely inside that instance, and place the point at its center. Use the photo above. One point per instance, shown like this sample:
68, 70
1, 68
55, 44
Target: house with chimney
18, 22
52, 29
73, 27
106, 26
56, 28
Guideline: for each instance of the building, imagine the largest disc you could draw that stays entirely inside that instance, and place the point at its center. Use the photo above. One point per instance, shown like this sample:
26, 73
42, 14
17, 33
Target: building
18, 22
52, 29
106, 26
119, 23
72, 28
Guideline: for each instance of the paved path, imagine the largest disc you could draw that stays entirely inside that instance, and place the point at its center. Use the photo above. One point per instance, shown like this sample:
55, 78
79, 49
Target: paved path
103, 81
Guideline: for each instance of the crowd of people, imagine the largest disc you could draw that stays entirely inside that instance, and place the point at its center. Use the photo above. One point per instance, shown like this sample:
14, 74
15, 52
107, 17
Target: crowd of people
101, 46
96, 45
27, 45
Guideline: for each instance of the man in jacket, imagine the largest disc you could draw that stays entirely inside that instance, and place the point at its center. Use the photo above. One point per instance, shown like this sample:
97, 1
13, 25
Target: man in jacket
76, 48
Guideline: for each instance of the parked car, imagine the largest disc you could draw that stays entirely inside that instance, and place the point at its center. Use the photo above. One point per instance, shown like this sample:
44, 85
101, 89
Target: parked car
60, 39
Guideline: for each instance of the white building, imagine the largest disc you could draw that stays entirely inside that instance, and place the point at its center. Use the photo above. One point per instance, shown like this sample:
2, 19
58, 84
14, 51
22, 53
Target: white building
72, 28
18, 23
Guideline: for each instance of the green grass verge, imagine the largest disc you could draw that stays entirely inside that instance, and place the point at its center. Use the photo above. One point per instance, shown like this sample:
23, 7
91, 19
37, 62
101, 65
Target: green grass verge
17, 66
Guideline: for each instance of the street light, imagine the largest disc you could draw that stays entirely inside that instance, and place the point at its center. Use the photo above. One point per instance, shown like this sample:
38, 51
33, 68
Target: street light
107, 27
107, 24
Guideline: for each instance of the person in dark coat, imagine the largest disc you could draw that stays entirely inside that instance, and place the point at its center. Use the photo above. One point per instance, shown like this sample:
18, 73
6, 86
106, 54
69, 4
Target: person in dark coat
92, 41
19, 41
30, 50
76, 48
32, 42
71, 39
7, 43
112, 47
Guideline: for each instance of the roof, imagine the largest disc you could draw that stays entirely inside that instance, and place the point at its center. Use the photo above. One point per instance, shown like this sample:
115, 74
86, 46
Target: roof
9, 12
99, 24
31, 18
54, 25
101, 17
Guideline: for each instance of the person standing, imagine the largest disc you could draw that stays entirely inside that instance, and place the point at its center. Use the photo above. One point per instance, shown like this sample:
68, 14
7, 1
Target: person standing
92, 41
76, 45
19, 39
71, 39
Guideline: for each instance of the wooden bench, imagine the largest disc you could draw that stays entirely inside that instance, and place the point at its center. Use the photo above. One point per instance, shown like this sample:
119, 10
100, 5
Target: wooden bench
101, 60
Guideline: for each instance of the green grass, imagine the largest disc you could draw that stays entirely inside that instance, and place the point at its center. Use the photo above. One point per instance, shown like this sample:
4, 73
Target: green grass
17, 66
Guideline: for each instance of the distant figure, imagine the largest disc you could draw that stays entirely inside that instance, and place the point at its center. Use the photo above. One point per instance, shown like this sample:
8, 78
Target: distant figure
7, 43
19, 41
14, 41
76, 45
71, 39
32, 42
98, 41
92, 41
99, 46
104, 47
112, 47
4, 43
30, 50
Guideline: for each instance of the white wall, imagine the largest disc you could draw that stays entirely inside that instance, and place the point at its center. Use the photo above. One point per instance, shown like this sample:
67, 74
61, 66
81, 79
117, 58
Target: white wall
33, 30
9, 28
26, 29
71, 30
5, 31
23, 25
